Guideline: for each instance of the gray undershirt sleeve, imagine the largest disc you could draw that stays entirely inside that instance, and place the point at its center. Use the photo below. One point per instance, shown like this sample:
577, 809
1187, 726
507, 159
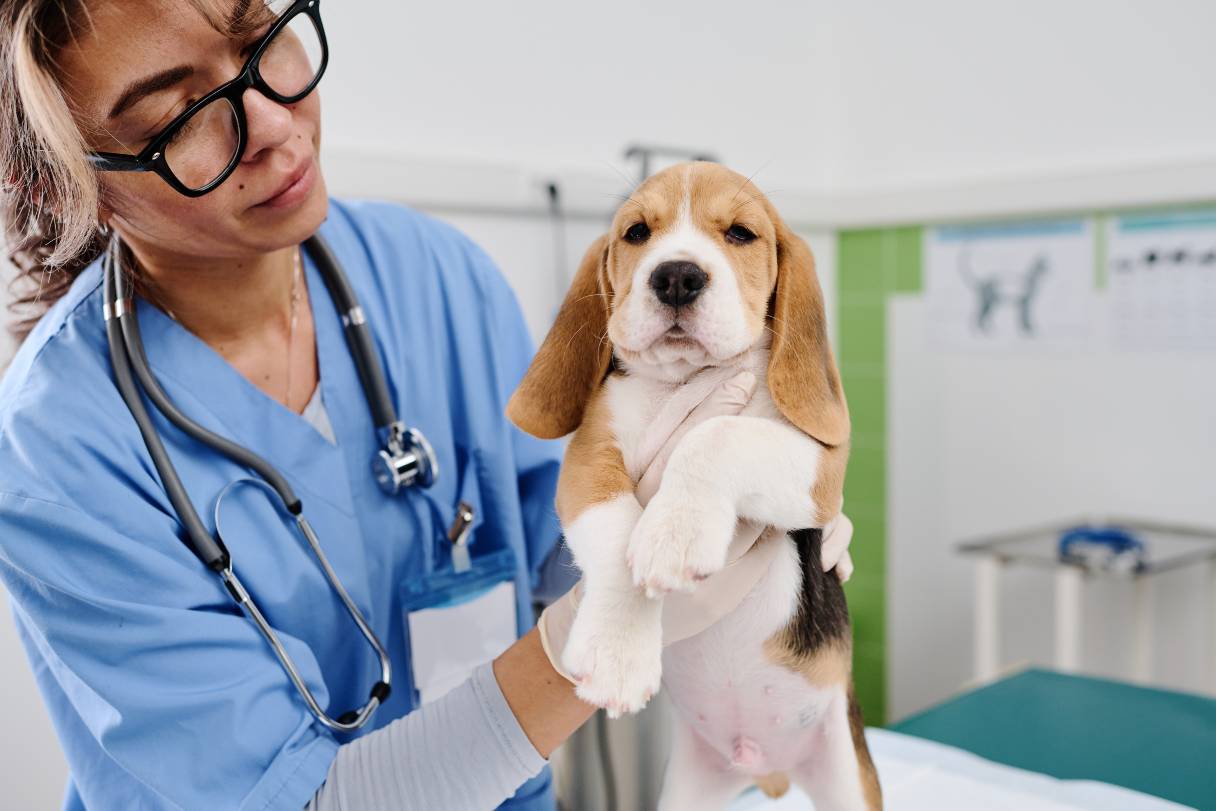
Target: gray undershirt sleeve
463, 752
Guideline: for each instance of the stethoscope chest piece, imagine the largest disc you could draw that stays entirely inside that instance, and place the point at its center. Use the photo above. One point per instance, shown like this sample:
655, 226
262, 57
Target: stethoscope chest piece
407, 460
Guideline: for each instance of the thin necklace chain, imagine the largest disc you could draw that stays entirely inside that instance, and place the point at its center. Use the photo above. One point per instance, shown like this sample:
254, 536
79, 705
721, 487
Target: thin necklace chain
296, 294
291, 330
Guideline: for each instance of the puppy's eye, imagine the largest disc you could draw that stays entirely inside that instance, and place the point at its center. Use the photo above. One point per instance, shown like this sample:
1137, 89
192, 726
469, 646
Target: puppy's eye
739, 235
638, 233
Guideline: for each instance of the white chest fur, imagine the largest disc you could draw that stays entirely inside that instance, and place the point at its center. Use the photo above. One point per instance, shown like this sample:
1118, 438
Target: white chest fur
635, 400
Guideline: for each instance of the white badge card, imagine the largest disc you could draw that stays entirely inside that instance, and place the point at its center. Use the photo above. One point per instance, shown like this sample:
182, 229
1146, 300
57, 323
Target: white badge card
449, 642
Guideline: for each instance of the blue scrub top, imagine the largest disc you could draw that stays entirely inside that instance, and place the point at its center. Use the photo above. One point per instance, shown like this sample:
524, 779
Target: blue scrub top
163, 694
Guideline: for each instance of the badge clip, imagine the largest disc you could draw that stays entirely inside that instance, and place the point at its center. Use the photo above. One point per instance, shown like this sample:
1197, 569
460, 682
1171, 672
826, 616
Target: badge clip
458, 534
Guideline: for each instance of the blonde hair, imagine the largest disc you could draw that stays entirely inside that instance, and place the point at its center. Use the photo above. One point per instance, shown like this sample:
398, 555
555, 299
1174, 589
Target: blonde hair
49, 192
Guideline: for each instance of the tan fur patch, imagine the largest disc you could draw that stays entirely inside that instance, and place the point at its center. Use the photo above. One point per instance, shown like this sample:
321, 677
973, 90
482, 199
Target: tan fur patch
593, 470
869, 775
828, 492
572, 361
828, 665
774, 785
802, 374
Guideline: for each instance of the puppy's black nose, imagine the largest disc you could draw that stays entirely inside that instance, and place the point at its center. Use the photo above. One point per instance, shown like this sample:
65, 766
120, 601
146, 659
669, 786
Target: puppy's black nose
677, 283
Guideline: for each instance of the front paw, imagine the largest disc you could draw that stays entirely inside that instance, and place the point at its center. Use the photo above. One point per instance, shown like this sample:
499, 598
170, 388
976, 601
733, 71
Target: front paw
616, 662
678, 542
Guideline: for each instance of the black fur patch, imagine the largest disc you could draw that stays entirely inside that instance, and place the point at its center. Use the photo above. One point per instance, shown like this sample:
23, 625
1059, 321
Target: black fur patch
823, 615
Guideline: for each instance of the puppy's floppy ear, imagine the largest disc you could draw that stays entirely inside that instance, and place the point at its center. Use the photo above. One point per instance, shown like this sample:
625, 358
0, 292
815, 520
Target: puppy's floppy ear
574, 357
802, 375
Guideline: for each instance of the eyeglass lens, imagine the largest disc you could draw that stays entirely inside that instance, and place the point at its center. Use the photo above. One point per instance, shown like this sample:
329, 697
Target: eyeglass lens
206, 144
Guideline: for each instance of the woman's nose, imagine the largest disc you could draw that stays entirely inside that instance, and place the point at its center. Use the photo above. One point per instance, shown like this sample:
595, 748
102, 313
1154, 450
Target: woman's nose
268, 122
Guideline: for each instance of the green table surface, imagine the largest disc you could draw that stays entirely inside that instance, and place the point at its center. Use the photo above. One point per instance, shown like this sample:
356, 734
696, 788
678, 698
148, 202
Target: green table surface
1072, 727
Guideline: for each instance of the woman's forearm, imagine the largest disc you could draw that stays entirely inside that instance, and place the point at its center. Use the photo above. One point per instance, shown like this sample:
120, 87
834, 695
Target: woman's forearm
469, 749
543, 701
464, 751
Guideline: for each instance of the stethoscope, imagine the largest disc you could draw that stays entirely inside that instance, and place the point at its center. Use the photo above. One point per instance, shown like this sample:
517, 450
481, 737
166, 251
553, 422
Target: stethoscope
405, 459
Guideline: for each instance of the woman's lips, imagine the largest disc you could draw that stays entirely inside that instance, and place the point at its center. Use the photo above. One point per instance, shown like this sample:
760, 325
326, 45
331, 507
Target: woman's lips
295, 190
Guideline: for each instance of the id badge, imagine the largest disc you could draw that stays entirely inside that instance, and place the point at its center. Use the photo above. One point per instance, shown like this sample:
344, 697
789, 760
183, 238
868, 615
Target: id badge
459, 617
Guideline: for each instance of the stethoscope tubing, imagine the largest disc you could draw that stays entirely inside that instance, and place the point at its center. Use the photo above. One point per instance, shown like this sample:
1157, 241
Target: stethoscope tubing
211, 552
358, 335
132, 373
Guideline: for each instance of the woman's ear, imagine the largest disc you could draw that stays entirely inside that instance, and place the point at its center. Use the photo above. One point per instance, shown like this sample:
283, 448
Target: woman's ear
802, 375
574, 357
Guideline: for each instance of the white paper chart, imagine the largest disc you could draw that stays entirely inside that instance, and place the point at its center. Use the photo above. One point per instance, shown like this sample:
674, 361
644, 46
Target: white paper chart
1011, 286
1161, 271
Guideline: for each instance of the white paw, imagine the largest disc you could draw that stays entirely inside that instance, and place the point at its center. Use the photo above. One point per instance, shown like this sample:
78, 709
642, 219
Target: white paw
678, 542
615, 661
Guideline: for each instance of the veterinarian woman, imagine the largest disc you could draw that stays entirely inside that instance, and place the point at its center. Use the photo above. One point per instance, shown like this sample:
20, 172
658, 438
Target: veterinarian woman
123, 132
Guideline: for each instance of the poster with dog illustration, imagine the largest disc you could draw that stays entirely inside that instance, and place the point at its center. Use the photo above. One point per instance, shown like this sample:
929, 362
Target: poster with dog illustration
1010, 286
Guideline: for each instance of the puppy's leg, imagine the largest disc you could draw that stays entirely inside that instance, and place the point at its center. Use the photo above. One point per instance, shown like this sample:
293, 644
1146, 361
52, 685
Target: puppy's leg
697, 777
724, 469
840, 774
614, 651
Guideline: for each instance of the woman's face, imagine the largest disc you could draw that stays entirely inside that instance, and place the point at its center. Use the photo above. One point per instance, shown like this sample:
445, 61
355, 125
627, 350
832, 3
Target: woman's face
266, 203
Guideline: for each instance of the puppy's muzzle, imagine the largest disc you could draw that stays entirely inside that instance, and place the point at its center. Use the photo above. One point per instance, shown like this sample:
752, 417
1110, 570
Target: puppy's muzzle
678, 284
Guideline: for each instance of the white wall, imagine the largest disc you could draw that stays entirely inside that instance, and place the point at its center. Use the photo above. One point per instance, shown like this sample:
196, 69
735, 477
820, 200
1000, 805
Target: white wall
554, 83
987, 442
939, 92
822, 97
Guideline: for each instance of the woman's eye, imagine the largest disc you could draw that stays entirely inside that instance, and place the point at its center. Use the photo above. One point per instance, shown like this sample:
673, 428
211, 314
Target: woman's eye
637, 233
739, 235
172, 115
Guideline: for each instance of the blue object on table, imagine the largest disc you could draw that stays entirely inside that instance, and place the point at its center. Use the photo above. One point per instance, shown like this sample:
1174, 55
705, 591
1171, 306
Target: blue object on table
1111, 542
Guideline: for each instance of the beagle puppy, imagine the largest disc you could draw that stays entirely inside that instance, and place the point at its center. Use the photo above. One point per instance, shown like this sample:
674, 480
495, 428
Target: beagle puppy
699, 271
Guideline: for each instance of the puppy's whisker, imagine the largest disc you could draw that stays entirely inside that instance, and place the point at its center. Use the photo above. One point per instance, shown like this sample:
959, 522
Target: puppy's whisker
751, 177
630, 182
594, 295
799, 349
573, 335
750, 200
624, 198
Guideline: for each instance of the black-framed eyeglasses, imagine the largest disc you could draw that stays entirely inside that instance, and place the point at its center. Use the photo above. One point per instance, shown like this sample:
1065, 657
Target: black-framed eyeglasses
199, 149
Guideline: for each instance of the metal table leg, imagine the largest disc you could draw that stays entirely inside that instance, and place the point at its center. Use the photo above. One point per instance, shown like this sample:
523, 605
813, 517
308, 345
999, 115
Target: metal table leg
1069, 580
987, 626
1142, 663
1212, 625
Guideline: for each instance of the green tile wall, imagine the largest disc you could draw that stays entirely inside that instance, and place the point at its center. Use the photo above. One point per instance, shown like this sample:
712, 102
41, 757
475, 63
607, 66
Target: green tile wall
871, 265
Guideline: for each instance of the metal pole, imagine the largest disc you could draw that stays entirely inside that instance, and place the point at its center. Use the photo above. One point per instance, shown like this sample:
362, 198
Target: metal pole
1142, 663
1212, 625
987, 618
1069, 580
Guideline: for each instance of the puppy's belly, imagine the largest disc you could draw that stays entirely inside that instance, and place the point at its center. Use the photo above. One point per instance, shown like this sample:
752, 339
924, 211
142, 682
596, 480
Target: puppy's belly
759, 716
